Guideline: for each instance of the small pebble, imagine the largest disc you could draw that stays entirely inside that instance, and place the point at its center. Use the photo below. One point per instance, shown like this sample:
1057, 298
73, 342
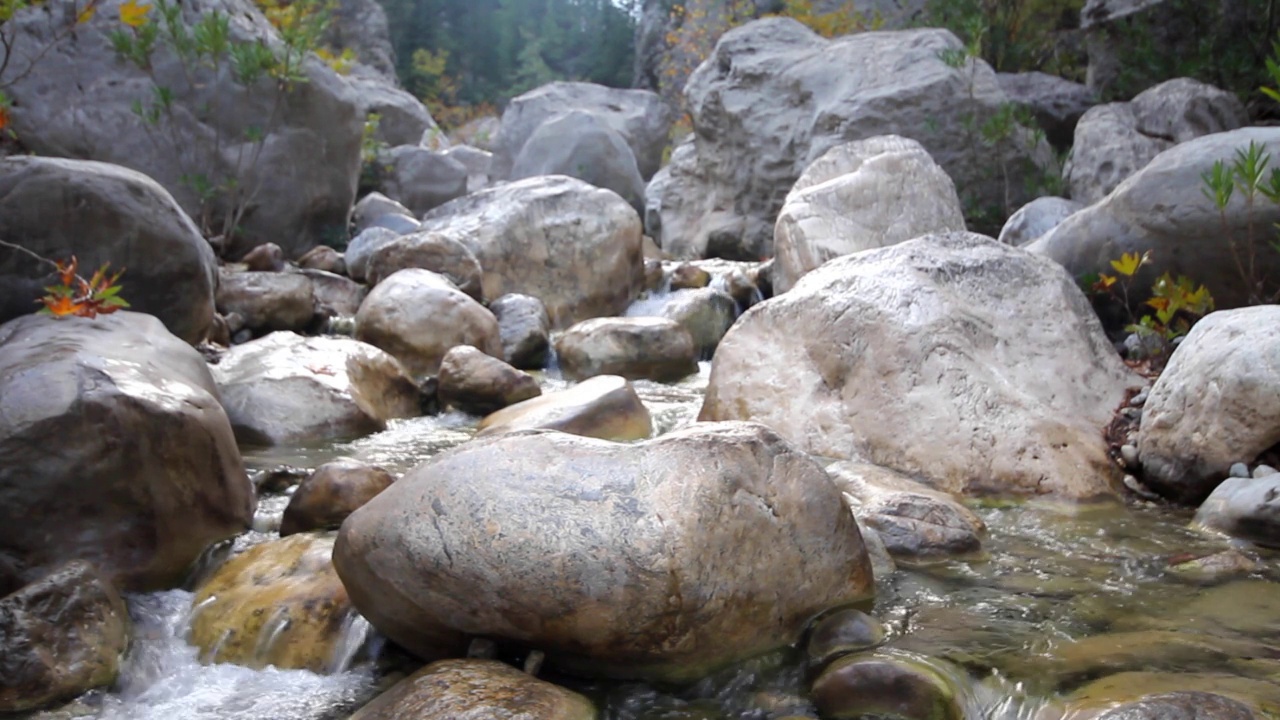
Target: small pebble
1140, 399
1129, 454
1131, 413
1239, 470
1264, 470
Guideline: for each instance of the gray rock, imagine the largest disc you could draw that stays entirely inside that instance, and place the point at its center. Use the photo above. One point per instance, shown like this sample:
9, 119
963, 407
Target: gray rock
605, 407
1056, 103
1238, 470
840, 633
417, 316
1244, 507
582, 144
361, 25
706, 313
476, 161
419, 178
991, 355
267, 301
639, 116
103, 213
1129, 453
647, 582
914, 520
1163, 209
525, 328
1182, 705
865, 194
305, 175
285, 389
573, 246
364, 245
335, 296
429, 251
1263, 471
480, 384
64, 634
885, 684
633, 347
482, 133
1037, 218
789, 95
144, 509
402, 118
1205, 412
373, 206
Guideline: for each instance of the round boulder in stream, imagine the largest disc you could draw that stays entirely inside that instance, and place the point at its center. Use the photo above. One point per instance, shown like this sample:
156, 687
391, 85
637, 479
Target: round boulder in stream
327, 496
634, 347
895, 685
624, 561
605, 407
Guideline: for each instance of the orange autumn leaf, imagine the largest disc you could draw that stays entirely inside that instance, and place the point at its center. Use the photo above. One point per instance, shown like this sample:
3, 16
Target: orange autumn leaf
60, 305
4, 117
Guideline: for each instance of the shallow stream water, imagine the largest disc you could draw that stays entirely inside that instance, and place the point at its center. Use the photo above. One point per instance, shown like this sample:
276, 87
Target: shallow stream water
1060, 599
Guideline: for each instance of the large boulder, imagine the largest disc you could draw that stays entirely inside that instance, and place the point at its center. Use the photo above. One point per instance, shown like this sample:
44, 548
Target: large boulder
419, 178
362, 27
267, 301
112, 426
581, 144
525, 328
429, 251
63, 635
976, 367
1054, 102
861, 195
327, 496
639, 116
367, 242
641, 577
286, 389
402, 118
417, 316
774, 96
634, 347
573, 246
1246, 508
1114, 141
605, 407
101, 213
1163, 209
300, 182
477, 383
1206, 410
476, 690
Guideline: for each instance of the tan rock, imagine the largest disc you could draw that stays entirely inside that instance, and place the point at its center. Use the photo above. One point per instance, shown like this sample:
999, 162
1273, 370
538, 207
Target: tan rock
633, 347
476, 690
477, 383
327, 496
605, 407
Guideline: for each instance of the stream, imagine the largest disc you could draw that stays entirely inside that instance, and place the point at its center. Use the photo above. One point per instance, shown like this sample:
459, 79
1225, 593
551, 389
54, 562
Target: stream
1059, 602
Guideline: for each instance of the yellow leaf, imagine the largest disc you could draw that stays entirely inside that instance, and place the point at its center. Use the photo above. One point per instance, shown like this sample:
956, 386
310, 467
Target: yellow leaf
1104, 282
133, 14
87, 13
1129, 263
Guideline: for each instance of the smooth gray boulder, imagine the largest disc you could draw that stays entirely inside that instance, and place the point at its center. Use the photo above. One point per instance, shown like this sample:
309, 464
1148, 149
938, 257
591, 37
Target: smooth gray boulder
573, 246
707, 313
1210, 407
267, 301
371, 208
641, 578
1114, 141
122, 417
417, 316
477, 162
774, 96
861, 195
1056, 103
402, 118
525, 328
1037, 218
1163, 209
1245, 508
581, 144
78, 101
420, 179
102, 213
363, 246
990, 359
286, 389
639, 116
429, 251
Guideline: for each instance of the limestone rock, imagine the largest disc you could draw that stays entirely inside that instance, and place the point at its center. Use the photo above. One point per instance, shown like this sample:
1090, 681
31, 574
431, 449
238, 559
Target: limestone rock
364, 245
429, 251
286, 389
913, 520
581, 144
989, 359
865, 194
139, 441
706, 313
605, 407
633, 347
1056, 103
419, 178
1037, 218
477, 383
640, 578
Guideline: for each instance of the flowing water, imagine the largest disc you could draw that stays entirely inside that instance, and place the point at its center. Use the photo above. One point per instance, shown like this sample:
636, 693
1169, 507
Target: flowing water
1059, 599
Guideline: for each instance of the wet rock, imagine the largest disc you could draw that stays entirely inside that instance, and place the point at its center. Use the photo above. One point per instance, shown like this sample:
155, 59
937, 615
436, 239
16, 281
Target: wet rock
1127, 692
991, 356
882, 562
1134, 218
417, 316
643, 580
573, 246
479, 384
104, 213
686, 276
633, 347
429, 251
840, 633
267, 301
525, 329
914, 520
327, 496
1245, 508
1184, 705
882, 684
1146, 650
1189, 438
581, 144
476, 690
123, 417
419, 178
1226, 565
62, 635
605, 407
639, 116
323, 258
1037, 218
286, 389
861, 195
706, 313
279, 603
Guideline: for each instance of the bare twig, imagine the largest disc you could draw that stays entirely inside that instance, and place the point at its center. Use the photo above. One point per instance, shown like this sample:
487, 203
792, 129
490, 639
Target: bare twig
25, 251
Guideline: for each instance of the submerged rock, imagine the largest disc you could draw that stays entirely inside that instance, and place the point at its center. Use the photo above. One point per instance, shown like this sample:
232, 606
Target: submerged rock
886, 684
